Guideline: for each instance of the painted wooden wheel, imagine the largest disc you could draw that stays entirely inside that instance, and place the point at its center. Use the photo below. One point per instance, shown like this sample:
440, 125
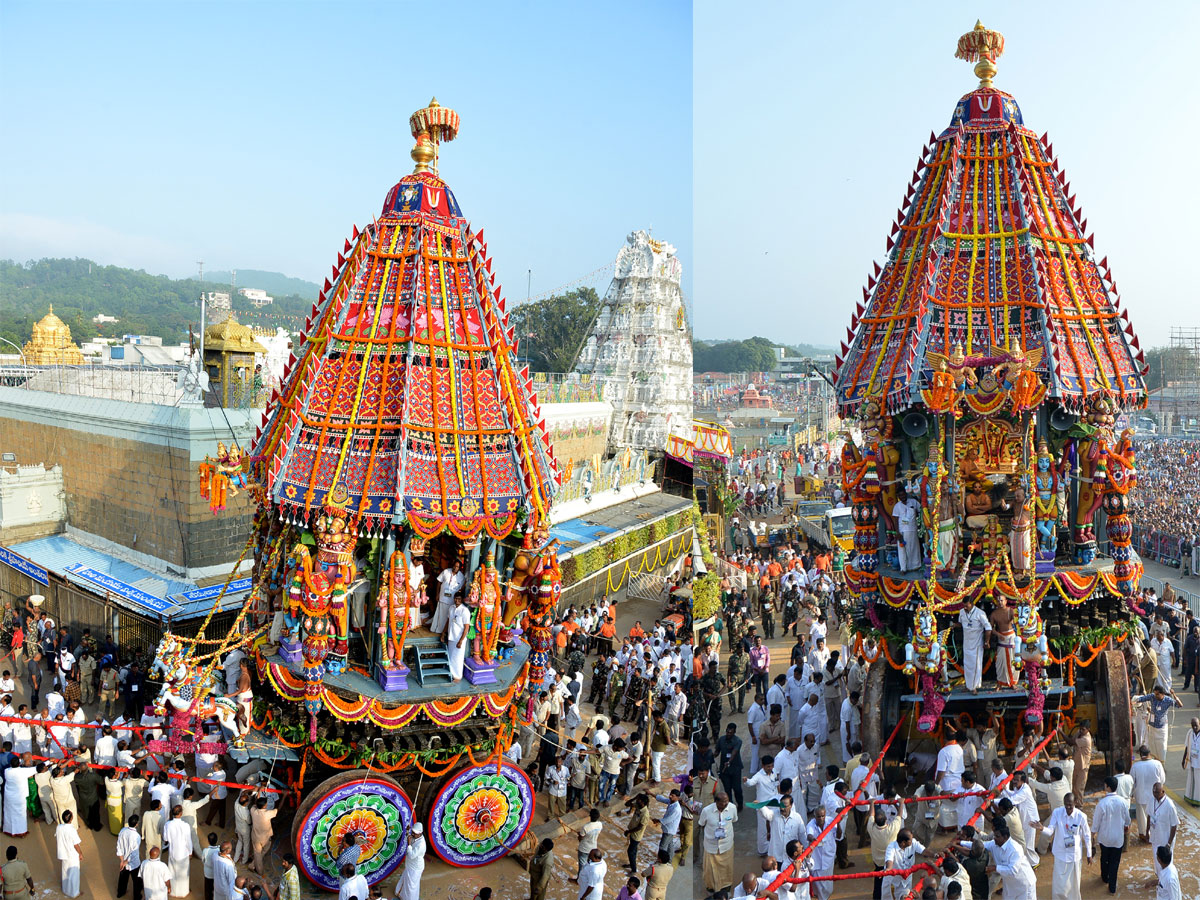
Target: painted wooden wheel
367, 803
1112, 705
480, 814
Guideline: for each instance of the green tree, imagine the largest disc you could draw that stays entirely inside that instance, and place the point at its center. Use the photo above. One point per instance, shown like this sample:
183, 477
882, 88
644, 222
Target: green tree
553, 330
756, 354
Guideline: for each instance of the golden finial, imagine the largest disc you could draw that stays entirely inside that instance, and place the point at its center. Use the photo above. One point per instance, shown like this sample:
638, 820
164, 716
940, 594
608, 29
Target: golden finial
982, 46
431, 126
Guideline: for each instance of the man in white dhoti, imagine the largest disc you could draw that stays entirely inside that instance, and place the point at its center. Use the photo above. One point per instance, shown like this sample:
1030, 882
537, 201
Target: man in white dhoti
66, 839
1010, 863
1191, 762
409, 887
177, 835
908, 543
1070, 838
1164, 652
975, 627
1006, 642
456, 637
449, 583
766, 781
949, 778
16, 794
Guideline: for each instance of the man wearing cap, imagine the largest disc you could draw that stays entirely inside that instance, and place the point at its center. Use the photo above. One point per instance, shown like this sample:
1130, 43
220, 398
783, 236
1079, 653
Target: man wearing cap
409, 887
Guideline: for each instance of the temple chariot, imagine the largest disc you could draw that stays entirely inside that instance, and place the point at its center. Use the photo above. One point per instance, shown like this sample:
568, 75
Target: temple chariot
984, 371
403, 581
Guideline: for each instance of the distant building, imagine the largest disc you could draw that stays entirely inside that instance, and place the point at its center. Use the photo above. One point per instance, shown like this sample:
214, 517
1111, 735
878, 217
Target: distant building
219, 306
102, 319
51, 344
258, 297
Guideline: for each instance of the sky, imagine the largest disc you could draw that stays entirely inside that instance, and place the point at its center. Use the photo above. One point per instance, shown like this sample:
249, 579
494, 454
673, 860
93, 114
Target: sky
810, 117
257, 134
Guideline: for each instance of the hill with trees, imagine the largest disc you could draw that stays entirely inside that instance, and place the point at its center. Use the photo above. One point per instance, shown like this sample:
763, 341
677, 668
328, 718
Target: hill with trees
80, 289
756, 354
274, 283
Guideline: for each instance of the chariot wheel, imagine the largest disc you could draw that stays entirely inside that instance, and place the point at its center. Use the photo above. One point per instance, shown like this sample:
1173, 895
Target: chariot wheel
480, 814
1112, 705
362, 801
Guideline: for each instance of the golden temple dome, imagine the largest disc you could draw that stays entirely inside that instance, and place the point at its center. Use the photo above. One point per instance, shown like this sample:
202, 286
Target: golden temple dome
51, 343
231, 336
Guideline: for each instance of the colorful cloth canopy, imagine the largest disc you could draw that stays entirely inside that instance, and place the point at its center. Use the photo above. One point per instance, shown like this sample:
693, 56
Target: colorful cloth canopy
990, 251
406, 389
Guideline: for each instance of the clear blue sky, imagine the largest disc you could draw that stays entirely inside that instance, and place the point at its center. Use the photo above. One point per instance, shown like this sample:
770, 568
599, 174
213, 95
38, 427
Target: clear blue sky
809, 118
255, 134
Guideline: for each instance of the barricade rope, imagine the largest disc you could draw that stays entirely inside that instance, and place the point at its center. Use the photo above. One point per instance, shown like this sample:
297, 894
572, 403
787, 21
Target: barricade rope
784, 877
68, 759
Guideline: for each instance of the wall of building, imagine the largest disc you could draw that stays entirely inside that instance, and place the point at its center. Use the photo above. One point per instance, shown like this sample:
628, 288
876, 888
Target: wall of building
129, 471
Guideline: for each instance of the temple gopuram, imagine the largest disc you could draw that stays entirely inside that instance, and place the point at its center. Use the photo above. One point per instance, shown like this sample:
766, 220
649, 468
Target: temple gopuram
983, 369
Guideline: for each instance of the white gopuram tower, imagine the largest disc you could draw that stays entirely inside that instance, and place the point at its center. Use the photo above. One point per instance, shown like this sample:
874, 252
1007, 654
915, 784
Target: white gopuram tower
640, 348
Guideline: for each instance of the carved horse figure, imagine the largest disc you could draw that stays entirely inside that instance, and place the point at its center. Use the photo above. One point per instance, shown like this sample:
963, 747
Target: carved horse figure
1034, 656
926, 654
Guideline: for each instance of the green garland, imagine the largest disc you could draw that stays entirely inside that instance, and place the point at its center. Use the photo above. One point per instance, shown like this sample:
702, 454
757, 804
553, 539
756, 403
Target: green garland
706, 597
1092, 637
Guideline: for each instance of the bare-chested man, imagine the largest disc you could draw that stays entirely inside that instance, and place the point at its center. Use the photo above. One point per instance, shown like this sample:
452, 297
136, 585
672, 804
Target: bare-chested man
1006, 641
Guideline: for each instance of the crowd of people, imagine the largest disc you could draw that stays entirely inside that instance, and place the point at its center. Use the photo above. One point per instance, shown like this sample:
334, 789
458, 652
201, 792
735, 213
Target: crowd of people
798, 762
1166, 505
597, 732
75, 757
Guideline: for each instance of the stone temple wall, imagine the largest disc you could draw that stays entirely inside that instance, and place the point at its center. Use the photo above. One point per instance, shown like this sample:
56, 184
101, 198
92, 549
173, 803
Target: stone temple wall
130, 471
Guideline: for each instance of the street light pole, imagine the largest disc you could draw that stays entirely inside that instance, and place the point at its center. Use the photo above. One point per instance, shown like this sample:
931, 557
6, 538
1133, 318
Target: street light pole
24, 361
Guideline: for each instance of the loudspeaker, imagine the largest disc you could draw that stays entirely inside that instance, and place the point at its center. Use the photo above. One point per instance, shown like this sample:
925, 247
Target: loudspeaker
1061, 420
915, 424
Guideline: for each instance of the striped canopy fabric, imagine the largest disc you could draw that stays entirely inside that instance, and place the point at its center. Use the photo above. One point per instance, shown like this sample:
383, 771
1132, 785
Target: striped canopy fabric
406, 390
989, 249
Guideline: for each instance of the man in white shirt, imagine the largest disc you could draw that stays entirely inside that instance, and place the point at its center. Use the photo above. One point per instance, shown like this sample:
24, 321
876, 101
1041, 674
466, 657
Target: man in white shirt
1110, 831
787, 825
1168, 886
1070, 839
901, 854
177, 835
1164, 820
1053, 785
717, 821
354, 885
1146, 772
591, 876
822, 853
851, 721
1191, 762
156, 877
1010, 863
755, 716
224, 873
129, 852
908, 542
949, 777
766, 783
1164, 650
870, 791
975, 626
66, 840
449, 584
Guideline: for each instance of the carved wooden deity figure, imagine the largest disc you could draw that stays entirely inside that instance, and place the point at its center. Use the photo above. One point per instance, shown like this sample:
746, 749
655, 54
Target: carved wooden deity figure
486, 594
1020, 536
1045, 509
335, 536
1091, 460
